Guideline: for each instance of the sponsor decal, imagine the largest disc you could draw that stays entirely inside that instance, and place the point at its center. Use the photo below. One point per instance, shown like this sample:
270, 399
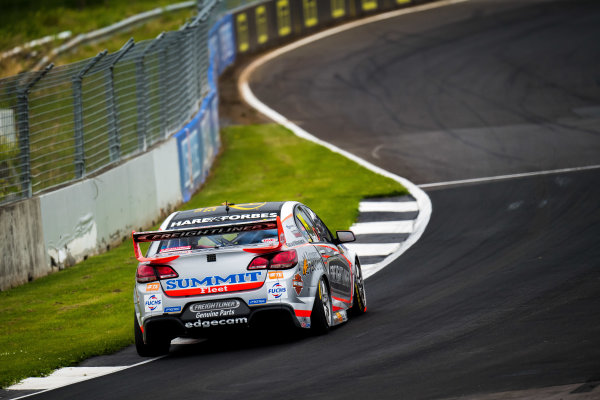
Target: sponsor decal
339, 276
305, 325
275, 275
215, 314
173, 309
153, 302
216, 322
269, 240
206, 209
310, 265
222, 218
214, 284
152, 287
214, 305
295, 243
298, 283
216, 309
179, 248
257, 301
277, 291
294, 230
215, 230
338, 317
247, 206
215, 280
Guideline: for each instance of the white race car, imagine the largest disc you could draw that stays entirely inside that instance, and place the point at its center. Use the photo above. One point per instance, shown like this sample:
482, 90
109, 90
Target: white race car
219, 267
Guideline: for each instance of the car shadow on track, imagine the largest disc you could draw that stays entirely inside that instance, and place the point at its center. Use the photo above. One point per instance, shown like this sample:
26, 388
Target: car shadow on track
265, 335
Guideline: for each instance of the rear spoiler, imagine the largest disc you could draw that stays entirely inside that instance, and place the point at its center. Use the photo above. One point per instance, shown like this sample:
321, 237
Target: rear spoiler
155, 236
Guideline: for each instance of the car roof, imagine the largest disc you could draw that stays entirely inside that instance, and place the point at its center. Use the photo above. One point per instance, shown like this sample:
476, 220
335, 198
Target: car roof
209, 216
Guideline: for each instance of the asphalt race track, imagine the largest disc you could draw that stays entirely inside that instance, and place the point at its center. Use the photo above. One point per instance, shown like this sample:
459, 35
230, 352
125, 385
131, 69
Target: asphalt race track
502, 292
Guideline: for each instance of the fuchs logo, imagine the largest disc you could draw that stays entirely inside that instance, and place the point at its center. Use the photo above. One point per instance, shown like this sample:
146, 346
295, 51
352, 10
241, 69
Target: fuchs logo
277, 291
153, 302
216, 322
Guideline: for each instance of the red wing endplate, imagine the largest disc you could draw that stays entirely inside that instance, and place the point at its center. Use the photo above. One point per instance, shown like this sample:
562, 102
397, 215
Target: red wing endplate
269, 249
141, 258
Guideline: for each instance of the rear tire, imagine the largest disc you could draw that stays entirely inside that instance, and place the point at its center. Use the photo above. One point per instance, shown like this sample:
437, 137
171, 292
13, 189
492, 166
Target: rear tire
322, 310
359, 305
156, 347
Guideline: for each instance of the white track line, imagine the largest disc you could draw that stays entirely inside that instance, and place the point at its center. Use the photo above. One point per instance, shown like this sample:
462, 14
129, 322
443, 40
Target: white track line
68, 376
504, 177
385, 206
369, 228
63, 377
373, 249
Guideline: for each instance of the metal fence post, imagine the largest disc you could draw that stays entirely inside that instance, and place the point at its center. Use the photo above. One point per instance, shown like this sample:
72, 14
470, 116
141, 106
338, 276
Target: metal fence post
164, 99
183, 49
142, 94
23, 127
78, 115
196, 43
114, 142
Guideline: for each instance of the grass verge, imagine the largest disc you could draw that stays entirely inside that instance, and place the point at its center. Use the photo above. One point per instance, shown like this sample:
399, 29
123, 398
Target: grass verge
20, 23
86, 310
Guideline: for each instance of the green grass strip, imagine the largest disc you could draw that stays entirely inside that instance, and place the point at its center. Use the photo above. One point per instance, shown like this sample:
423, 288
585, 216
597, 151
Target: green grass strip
19, 24
87, 310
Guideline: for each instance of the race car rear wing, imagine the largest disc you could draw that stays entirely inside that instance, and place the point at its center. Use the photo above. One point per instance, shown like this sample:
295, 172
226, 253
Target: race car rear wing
155, 236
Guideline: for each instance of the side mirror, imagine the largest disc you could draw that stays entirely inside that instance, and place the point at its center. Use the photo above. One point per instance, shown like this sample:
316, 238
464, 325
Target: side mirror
345, 236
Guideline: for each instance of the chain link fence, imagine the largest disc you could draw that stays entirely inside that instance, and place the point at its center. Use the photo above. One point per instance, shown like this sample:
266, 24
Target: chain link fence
64, 123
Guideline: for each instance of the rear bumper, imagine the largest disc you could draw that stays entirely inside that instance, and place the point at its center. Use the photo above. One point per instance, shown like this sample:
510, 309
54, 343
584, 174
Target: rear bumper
173, 326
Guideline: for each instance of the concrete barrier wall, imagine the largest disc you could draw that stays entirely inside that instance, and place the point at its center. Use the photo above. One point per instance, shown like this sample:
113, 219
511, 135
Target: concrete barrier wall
21, 244
90, 216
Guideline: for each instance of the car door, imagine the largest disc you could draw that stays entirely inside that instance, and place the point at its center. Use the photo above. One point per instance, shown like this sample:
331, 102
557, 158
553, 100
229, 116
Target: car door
338, 266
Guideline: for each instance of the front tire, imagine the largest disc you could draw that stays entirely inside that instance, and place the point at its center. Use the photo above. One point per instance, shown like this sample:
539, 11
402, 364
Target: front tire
155, 347
359, 305
322, 310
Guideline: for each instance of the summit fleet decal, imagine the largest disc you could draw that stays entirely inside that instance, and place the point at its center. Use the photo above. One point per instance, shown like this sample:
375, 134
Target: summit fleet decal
214, 284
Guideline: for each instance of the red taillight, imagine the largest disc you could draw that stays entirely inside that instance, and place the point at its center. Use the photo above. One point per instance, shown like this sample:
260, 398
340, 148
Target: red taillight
148, 273
259, 263
281, 260
284, 260
165, 272
145, 273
